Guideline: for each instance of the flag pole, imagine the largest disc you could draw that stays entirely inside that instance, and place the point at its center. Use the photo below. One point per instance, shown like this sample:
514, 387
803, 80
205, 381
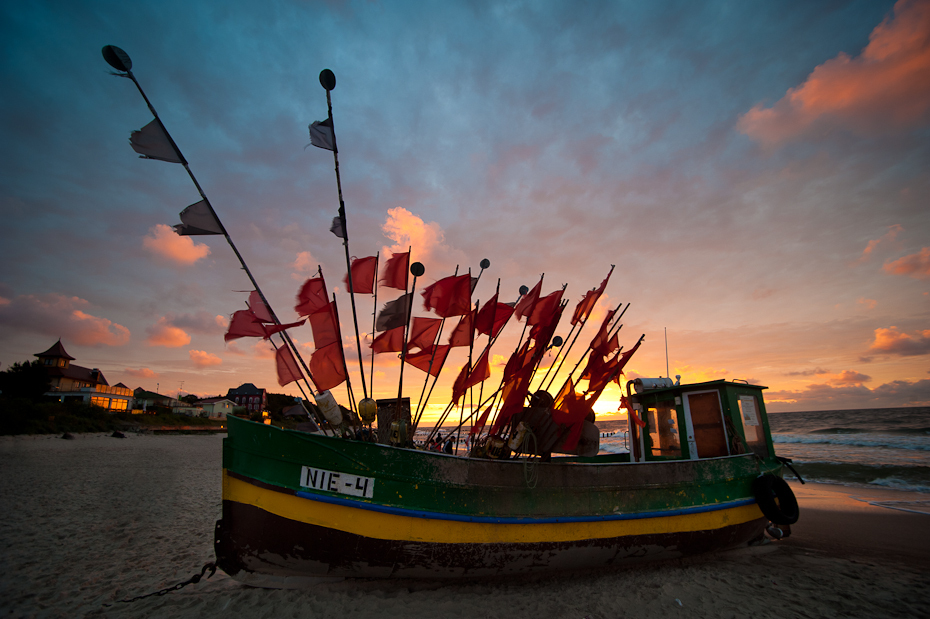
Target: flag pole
416, 269
119, 60
374, 316
328, 82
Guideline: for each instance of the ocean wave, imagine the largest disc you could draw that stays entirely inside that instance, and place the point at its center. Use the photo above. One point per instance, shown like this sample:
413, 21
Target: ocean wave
856, 440
912, 478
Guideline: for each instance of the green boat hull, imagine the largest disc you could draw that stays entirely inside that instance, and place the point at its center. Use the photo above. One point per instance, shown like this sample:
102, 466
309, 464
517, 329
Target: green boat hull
299, 507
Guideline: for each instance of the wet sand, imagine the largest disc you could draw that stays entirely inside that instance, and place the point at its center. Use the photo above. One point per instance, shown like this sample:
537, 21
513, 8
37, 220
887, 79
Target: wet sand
94, 520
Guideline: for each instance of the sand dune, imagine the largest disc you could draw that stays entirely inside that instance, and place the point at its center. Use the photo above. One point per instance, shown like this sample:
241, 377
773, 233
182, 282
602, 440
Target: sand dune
94, 520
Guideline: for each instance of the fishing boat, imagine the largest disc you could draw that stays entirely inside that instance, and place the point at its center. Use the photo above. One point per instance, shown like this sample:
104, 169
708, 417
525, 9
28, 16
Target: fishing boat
352, 495
298, 507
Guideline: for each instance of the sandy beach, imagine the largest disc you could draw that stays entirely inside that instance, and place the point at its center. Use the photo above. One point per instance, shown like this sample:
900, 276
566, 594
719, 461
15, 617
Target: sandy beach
95, 520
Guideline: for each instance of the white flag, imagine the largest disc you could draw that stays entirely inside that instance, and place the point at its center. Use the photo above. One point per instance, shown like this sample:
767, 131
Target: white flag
198, 219
152, 143
321, 134
338, 228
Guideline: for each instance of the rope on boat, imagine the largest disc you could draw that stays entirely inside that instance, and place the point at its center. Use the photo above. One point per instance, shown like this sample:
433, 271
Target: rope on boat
190, 581
530, 470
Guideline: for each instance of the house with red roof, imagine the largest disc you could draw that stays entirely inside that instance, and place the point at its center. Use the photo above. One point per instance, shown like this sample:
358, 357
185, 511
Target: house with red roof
68, 381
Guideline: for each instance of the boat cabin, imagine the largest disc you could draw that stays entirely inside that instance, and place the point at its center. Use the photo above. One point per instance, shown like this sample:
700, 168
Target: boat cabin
701, 420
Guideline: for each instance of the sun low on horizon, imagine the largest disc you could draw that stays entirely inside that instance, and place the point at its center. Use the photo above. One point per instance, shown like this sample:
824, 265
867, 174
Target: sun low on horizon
752, 178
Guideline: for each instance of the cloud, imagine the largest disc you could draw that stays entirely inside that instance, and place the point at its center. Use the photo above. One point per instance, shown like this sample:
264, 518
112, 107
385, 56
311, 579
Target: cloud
886, 238
164, 242
886, 87
199, 322
56, 316
815, 372
826, 397
868, 303
203, 359
850, 377
162, 333
915, 265
304, 263
894, 342
141, 373
408, 230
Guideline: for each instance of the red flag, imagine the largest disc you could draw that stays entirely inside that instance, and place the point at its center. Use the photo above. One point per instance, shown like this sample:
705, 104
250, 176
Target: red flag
463, 334
544, 309
570, 409
480, 371
272, 329
481, 421
259, 308
600, 342
395, 271
492, 317
312, 296
428, 362
327, 367
323, 324
586, 305
244, 324
625, 357
389, 341
526, 304
363, 275
423, 332
450, 296
286, 365
458, 387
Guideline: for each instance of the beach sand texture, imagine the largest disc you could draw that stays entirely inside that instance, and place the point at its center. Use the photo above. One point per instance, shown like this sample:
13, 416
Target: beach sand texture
94, 520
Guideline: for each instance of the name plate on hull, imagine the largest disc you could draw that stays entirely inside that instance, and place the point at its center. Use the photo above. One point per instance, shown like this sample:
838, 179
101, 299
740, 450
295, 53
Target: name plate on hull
331, 481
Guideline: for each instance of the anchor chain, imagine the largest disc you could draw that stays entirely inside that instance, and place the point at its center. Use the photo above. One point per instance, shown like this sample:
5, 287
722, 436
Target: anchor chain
191, 581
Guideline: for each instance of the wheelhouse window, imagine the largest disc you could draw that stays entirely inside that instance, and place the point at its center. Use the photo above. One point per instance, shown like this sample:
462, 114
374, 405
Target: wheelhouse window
752, 425
662, 423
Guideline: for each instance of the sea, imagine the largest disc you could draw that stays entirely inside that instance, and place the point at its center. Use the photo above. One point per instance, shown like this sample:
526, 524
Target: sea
877, 447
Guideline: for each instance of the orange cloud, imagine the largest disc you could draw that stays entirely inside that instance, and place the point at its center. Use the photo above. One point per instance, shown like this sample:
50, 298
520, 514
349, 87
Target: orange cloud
164, 242
868, 303
304, 263
407, 230
886, 87
56, 315
849, 377
141, 373
916, 265
885, 238
203, 359
892, 341
162, 333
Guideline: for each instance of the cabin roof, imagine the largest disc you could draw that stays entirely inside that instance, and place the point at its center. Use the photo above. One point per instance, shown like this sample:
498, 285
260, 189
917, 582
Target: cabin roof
691, 386
56, 350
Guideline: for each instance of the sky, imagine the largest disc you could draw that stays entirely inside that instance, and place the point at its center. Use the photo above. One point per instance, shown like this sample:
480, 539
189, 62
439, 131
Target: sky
757, 172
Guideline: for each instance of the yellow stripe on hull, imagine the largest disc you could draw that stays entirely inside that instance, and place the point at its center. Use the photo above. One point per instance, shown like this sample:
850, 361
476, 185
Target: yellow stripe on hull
380, 525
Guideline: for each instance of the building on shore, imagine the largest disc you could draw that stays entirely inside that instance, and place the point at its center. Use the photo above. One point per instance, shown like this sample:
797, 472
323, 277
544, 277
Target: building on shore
217, 408
247, 395
70, 382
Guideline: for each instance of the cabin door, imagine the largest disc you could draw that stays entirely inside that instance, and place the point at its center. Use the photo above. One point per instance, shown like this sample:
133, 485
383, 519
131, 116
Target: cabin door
707, 437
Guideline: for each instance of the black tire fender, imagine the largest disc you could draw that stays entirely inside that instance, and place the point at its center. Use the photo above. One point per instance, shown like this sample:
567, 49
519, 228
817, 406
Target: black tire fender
776, 499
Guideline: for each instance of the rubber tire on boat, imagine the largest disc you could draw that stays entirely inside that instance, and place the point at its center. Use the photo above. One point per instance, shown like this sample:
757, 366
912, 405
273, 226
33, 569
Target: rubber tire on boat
776, 500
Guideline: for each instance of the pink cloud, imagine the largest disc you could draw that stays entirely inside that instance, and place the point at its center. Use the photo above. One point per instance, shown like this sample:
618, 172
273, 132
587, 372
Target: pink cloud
916, 265
304, 264
141, 373
163, 333
427, 239
886, 87
825, 397
894, 342
56, 316
165, 243
203, 359
886, 238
